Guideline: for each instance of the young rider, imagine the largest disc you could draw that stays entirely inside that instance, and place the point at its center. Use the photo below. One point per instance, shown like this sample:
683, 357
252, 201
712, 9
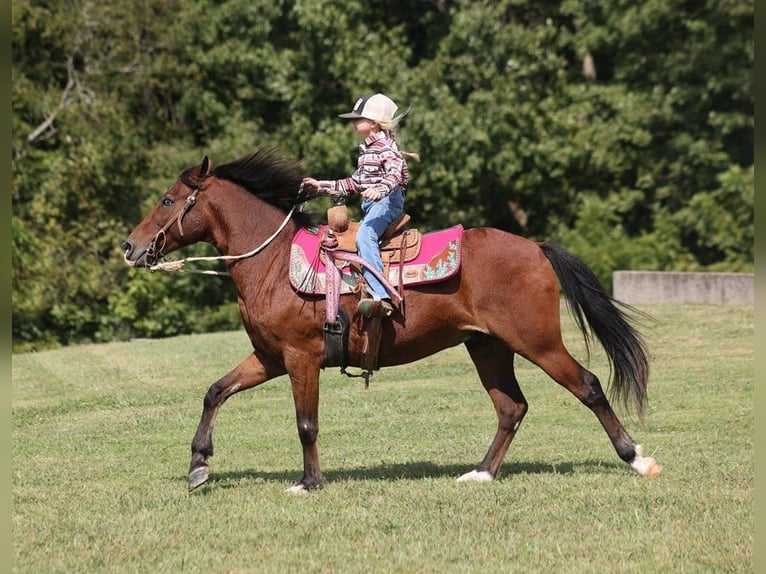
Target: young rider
381, 178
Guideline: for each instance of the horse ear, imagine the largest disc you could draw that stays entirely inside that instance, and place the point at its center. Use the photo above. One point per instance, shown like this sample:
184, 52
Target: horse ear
205, 167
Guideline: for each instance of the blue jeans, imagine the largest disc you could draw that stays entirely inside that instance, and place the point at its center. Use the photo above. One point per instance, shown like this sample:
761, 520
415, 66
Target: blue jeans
378, 215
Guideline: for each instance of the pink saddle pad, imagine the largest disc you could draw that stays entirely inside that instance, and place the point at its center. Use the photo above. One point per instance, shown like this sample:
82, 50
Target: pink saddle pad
439, 259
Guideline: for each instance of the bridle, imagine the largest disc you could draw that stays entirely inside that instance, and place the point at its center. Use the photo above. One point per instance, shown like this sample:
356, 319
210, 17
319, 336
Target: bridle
154, 252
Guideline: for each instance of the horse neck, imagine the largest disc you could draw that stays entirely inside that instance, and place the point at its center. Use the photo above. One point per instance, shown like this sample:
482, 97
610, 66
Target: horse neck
241, 222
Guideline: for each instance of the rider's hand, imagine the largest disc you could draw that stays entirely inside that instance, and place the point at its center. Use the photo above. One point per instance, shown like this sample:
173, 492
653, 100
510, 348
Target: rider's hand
372, 194
320, 187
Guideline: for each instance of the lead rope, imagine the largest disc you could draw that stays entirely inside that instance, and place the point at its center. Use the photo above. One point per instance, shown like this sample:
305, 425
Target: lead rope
178, 265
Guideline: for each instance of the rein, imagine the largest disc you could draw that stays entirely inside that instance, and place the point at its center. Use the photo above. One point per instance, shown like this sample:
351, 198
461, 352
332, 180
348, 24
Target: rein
156, 253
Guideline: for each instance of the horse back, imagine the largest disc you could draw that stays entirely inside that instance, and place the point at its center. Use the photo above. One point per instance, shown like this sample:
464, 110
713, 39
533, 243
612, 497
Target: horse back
503, 258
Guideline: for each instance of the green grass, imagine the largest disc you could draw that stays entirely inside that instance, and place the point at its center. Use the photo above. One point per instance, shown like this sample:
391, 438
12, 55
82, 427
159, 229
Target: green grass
101, 439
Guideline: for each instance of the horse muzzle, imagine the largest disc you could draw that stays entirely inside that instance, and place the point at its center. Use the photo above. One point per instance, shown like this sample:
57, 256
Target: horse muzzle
134, 257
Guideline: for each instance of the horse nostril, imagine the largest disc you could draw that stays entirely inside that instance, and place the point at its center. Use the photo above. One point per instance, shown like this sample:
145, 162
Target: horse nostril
127, 248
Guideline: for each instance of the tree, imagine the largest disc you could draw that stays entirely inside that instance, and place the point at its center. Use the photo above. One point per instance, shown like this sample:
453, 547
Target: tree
623, 130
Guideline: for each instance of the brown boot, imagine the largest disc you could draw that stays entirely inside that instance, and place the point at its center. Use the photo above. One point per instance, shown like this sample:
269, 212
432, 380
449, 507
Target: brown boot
375, 308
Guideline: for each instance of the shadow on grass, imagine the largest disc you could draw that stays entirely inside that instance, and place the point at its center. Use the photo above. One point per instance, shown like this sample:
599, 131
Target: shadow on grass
414, 471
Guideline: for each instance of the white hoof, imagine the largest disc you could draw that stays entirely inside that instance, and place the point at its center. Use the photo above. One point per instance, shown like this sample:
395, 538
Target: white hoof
297, 489
645, 465
476, 476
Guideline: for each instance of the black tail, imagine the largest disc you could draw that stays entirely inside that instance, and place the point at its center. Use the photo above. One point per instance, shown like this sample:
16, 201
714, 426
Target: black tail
596, 313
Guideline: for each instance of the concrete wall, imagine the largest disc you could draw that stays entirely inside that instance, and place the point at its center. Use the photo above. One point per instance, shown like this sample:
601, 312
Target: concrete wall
671, 287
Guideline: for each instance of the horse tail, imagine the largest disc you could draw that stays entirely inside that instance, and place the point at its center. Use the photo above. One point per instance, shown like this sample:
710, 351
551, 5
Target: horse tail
596, 313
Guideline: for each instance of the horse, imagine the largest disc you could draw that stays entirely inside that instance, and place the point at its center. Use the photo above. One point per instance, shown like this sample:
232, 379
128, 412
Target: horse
505, 300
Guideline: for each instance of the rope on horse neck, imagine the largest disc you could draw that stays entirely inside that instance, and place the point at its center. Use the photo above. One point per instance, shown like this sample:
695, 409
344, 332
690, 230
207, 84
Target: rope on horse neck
178, 265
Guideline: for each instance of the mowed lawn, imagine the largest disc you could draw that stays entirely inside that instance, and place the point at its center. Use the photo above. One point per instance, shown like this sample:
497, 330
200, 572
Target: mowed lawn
101, 443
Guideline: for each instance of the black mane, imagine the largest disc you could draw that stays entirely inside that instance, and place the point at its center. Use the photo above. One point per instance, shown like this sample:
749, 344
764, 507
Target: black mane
268, 176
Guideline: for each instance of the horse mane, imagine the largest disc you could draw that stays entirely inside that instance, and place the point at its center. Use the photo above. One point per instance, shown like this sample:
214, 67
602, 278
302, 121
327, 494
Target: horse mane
270, 177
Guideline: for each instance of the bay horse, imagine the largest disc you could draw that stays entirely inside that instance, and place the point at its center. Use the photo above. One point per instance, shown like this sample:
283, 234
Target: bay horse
504, 301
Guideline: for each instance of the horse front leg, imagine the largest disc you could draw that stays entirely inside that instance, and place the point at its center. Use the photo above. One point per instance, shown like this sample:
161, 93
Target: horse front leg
248, 374
305, 387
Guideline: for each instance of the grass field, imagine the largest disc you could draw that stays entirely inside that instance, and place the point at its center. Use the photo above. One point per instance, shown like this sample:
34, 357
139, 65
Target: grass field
101, 439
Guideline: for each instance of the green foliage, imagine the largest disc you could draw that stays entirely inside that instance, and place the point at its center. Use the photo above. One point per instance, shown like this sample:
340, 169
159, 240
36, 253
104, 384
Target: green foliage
622, 129
719, 224
146, 307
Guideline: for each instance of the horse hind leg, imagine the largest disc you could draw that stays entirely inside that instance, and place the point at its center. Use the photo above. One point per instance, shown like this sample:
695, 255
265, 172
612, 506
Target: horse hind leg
584, 385
494, 363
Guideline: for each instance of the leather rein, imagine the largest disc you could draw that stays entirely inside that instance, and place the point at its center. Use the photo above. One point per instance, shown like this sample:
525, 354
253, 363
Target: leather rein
154, 252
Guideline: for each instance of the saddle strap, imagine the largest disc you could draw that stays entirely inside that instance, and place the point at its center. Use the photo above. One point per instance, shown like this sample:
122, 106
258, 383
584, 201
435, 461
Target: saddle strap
388, 257
354, 258
333, 291
403, 249
371, 344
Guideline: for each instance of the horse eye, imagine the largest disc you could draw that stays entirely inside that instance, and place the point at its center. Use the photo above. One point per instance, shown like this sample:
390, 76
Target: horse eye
167, 202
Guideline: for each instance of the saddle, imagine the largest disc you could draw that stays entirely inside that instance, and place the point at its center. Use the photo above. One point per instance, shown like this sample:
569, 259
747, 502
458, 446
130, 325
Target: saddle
337, 244
324, 261
398, 244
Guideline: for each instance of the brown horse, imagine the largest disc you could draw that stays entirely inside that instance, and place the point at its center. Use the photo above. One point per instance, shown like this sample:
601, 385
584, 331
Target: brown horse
504, 301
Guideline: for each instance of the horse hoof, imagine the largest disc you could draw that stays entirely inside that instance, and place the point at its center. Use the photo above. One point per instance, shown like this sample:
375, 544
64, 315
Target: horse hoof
654, 470
299, 488
476, 476
198, 477
645, 465
303, 487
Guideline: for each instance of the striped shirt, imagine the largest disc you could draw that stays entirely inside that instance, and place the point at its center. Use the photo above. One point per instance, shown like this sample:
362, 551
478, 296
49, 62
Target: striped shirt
381, 166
